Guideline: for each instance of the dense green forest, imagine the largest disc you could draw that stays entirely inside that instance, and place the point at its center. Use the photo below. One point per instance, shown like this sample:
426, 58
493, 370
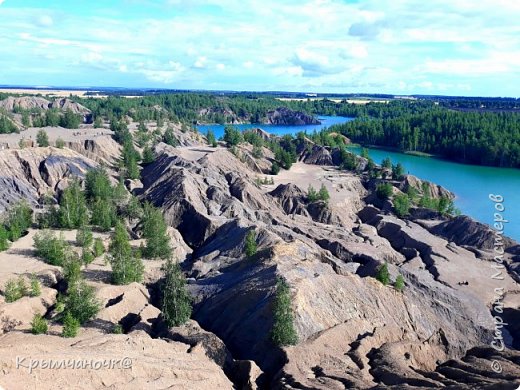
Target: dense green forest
471, 137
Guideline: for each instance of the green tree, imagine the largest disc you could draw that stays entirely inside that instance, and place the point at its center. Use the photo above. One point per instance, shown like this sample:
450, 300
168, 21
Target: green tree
26, 119
176, 301
283, 332
250, 244
104, 214
148, 155
60, 143
70, 326
232, 136
98, 122
81, 302
11, 291
382, 274
169, 137
402, 205
99, 247
50, 248
397, 171
211, 138
39, 325
275, 168
35, 289
70, 120
312, 195
4, 238
19, 220
386, 163
73, 207
84, 237
42, 139
155, 231
384, 191
399, 283
97, 184
348, 161
364, 153
127, 266
323, 194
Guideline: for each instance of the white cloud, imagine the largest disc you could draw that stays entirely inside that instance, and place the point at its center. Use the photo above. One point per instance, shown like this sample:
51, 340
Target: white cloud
200, 63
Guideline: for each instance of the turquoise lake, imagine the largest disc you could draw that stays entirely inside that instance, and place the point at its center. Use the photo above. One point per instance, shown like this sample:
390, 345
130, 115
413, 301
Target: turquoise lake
470, 183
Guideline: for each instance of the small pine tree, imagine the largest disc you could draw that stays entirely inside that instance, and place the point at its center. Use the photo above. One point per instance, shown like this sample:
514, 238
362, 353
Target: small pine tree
397, 171
70, 326
11, 291
323, 194
127, 266
382, 274
73, 207
148, 155
250, 244
399, 283
155, 231
4, 238
283, 332
402, 205
99, 247
312, 195
42, 139
211, 138
35, 289
384, 191
84, 237
81, 302
275, 168
60, 143
39, 325
176, 301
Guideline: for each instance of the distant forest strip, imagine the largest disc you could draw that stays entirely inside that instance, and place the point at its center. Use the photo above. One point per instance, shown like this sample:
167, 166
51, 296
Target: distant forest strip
484, 131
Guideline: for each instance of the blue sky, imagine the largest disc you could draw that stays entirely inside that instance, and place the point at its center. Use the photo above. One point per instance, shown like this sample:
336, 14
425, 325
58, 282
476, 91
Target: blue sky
451, 47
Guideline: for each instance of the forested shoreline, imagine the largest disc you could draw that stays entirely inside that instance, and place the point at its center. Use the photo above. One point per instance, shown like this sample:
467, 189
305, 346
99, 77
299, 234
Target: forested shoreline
479, 131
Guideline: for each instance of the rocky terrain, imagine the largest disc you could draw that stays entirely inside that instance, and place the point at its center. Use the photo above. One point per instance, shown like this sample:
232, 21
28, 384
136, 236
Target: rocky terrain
280, 116
353, 332
11, 104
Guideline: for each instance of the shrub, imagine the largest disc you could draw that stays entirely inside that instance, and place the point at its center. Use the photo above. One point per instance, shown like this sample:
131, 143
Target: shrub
117, 329
386, 163
104, 214
19, 219
283, 332
382, 274
42, 139
397, 171
39, 325
84, 237
70, 326
148, 155
155, 232
60, 143
50, 248
87, 256
127, 266
81, 302
275, 168
4, 238
176, 301
232, 136
71, 268
211, 138
402, 205
73, 211
36, 289
312, 195
250, 244
11, 291
323, 194
399, 283
99, 247
384, 191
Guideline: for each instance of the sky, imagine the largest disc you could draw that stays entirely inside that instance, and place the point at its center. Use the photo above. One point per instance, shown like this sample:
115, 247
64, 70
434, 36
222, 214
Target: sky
448, 47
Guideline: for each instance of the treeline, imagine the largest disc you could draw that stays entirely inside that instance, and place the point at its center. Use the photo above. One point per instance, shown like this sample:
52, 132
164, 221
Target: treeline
471, 137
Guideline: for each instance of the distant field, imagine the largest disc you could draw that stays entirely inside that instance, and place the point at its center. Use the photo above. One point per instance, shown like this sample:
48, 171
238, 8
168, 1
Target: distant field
352, 101
51, 92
